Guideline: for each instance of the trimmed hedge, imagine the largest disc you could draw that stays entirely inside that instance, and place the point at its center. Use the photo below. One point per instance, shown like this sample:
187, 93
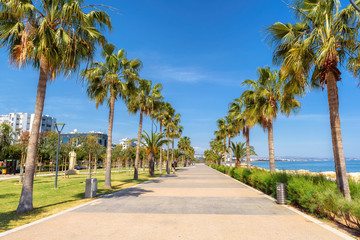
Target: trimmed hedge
313, 194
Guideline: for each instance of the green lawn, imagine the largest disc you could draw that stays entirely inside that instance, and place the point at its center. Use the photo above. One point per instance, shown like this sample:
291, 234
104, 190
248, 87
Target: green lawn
48, 201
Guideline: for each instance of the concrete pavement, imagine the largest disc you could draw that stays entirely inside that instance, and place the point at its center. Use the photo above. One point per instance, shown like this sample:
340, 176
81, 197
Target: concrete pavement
196, 203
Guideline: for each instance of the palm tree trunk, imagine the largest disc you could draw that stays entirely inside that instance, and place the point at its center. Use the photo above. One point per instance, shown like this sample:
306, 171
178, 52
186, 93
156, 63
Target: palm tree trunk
26, 198
271, 145
136, 165
172, 153
89, 165
230, 157
167, 156
247, 137
339, 159
109, 143
22, 168
160, 163
95, 164
150, 156
224, 156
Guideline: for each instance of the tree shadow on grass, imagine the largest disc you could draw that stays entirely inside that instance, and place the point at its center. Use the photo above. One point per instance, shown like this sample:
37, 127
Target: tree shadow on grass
7, 217
7, 195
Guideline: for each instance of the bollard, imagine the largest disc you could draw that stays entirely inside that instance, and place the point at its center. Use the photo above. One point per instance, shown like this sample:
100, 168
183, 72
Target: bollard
90, 188
281, 193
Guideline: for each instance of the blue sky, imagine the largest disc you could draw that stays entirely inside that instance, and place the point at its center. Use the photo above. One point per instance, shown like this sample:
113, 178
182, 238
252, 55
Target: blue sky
200, 51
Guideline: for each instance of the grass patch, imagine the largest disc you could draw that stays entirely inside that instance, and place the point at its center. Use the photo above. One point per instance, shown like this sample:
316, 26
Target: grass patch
48, 201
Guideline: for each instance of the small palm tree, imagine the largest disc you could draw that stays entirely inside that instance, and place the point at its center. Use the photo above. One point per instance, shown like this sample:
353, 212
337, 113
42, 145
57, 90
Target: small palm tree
244, 121
143, 100
239, 150
106, 82
265, 99
310, 51
152, 144
55, 37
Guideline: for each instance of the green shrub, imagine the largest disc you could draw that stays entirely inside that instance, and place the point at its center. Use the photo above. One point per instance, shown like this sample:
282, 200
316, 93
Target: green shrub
354, 189
314, 194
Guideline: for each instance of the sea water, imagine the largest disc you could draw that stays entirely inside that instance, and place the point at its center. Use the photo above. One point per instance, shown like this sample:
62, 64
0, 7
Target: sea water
313, 166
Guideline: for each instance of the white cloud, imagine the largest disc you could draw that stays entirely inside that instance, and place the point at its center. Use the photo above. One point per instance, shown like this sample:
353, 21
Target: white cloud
181, 74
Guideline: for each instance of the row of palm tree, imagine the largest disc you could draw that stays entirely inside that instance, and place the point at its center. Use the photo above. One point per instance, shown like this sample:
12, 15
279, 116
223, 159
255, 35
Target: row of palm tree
56, 37
309, 53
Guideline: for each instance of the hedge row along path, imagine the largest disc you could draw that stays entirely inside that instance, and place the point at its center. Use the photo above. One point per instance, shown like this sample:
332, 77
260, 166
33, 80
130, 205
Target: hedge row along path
195, 203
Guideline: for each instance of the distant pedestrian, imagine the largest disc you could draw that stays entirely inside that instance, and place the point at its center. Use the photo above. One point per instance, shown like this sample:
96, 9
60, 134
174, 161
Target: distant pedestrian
173, 166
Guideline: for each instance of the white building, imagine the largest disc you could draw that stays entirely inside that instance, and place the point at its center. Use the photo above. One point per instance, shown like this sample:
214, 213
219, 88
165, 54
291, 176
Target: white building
126, 142
22, 122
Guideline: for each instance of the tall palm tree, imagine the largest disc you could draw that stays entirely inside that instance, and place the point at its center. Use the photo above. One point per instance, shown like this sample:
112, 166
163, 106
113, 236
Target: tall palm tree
266, 98
233, 129
169, 115
221, 134
143, 100
160, 116
152, 144
106, 81
55, 37
239, 150
309, 53
184, 147
216, 147
175, 132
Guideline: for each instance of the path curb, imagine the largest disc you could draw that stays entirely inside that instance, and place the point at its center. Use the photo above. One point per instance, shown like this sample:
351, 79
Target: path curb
310, 218
3, 234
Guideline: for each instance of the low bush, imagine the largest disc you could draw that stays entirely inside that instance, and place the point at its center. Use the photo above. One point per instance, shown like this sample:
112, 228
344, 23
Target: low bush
313, 193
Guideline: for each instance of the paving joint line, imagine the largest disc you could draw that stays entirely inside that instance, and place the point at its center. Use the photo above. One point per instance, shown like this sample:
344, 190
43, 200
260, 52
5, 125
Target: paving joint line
3, 234
310, 218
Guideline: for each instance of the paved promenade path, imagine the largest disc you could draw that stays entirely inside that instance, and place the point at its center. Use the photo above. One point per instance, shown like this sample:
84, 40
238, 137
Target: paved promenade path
197, 203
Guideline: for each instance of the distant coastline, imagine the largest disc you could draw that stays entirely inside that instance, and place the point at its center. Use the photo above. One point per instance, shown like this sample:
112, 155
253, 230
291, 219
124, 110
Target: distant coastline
300, 159
314, 165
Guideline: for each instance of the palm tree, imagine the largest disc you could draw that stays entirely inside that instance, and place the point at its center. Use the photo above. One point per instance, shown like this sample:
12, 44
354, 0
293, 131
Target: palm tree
216, 147
221, 135
23, 144
184, 147
160, 115
169, 115
106, 81
232, 129
309, 53
55, 37
239, 150
152, 144
244, 121
143, 100
175, 131
265, 99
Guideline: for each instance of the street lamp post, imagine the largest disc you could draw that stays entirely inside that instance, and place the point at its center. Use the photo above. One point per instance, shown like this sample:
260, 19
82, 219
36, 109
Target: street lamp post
57, 154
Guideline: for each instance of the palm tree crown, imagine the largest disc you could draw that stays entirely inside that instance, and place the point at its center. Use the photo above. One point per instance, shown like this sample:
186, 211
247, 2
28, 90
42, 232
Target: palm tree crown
108, 80
309, 53
265, 99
